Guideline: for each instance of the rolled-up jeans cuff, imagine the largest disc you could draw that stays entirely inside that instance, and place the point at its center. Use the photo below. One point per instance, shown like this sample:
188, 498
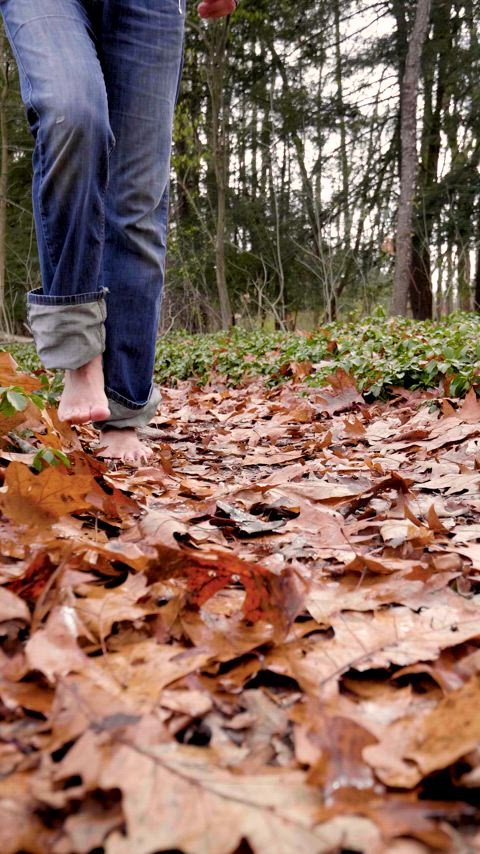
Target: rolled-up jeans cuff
68, 331
125, 413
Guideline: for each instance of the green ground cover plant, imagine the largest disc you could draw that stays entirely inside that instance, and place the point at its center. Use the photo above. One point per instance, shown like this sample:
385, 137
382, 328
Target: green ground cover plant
379, 353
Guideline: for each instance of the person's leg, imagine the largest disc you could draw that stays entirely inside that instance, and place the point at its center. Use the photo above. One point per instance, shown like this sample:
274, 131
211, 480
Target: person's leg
140, 48
64, 93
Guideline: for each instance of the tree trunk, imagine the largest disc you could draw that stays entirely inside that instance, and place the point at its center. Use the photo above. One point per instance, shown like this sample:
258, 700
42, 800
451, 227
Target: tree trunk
187, 161
440, 293
429, 200
342, 152
449, 287
420, 285
409, 158
5, 325
477, 278
464, 278
216, 85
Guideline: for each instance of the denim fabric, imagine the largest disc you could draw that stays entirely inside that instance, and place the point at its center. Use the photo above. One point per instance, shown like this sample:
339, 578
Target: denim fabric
99, 80
125, 416
68, 331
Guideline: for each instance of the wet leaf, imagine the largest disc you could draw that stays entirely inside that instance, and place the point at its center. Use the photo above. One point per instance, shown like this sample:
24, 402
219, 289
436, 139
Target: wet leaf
244, 523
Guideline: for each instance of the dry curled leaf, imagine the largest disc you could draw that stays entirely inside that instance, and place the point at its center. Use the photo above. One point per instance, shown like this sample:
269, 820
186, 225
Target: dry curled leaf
416, 747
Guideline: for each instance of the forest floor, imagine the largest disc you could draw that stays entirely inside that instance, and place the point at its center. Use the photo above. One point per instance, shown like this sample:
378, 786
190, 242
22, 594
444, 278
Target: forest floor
266, 640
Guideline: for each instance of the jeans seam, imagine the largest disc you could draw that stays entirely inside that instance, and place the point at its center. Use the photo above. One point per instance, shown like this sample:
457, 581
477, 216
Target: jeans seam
103, 194
42, 18
42, 299
39, 142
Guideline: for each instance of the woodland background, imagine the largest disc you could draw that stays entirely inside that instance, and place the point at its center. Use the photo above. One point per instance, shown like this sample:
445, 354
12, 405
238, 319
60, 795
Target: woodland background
286, 167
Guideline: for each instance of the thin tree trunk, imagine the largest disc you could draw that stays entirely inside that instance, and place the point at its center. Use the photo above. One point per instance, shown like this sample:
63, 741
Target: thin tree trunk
364, 205
476, 283
440, 295
5, 325
280, 300
477, 278
420, 282
401, 39
428, 204
343, 154
409, 158
216, 85
464, 278
299, 146
449, 287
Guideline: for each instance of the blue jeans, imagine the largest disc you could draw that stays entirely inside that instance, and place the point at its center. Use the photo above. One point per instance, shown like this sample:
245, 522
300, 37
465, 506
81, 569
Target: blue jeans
99, 80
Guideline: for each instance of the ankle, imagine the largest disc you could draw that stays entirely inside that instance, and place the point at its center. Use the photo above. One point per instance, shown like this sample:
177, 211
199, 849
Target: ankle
92, 367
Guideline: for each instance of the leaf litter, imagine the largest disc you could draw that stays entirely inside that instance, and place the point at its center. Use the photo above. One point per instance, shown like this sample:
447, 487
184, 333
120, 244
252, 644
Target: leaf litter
266, 640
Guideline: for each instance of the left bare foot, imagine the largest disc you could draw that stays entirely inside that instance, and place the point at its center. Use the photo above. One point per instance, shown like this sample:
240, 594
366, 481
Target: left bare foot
123, 444
83, 398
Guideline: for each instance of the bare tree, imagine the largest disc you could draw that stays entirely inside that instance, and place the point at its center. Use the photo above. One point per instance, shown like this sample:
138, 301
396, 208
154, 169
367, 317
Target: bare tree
409, 163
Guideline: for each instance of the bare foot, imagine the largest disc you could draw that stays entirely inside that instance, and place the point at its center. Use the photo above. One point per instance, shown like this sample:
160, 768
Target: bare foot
123, 444
84, 397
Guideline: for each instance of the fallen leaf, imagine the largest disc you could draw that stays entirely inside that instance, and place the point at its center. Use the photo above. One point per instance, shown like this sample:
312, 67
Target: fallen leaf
12, 607
431, 743
344, 396
469, 410
144, 669
40, 499
54, 650
362, 642
397, 531
174, 798
21, 829
245, 524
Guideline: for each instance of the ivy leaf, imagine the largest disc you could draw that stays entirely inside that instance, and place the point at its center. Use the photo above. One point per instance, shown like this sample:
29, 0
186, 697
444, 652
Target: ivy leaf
50, 456
18, 400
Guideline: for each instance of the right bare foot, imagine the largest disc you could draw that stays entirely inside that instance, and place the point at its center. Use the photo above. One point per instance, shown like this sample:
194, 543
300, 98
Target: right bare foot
123, 444
84, 397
